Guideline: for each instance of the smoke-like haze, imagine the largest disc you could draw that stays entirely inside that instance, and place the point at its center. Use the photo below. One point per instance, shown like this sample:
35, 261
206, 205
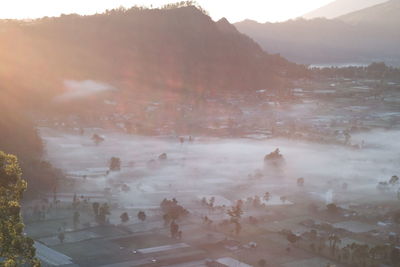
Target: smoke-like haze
82, 89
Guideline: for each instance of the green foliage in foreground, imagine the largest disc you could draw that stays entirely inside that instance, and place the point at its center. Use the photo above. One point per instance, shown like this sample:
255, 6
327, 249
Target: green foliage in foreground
15, 248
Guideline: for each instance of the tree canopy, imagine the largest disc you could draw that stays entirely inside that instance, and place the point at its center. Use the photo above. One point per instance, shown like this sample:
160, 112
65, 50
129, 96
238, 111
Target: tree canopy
15, 248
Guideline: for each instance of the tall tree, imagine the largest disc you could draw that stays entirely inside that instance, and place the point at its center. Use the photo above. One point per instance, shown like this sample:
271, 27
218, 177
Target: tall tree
141, 216
115, 164
15, 248
236, 213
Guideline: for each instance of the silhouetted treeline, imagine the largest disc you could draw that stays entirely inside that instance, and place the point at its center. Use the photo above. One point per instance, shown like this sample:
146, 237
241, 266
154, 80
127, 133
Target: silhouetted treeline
376, 70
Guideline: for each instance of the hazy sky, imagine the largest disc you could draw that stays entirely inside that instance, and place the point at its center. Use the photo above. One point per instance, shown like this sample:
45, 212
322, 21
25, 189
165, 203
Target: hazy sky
233, 10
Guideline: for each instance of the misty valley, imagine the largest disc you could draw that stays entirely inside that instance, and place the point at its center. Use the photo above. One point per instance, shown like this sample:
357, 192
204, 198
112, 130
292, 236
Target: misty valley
156, 136
337, 142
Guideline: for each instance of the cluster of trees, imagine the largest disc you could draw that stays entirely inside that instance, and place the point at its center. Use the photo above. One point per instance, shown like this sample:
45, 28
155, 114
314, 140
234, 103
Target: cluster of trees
256, 202
185, 4
274, 159
208, 203
134, 8
328, 243
16, 249
273, 155
172, 210
376, 70
363, 255
353, 254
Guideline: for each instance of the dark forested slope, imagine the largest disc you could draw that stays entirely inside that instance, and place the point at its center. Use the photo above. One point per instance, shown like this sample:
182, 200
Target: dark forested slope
177, 48
19, 136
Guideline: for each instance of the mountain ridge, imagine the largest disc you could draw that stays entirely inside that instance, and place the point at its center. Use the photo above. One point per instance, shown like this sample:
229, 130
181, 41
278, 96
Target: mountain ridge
333, 41
338, 8
136, 49
385, 15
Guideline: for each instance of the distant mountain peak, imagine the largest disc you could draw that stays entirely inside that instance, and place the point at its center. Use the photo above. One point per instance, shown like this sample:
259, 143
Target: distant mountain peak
225, 26
364, 36
223, 21
341, 7
386, 14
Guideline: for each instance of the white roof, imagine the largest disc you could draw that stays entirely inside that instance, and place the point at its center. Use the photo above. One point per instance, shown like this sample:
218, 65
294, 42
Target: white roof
355, 227
163, 248
231, 262
50, 256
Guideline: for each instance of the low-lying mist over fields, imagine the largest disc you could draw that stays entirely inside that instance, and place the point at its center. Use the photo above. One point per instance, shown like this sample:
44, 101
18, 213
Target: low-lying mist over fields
223, 167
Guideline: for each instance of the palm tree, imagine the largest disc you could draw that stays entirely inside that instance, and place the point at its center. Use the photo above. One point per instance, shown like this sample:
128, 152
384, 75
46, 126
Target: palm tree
352, 249
333, 240
345, 252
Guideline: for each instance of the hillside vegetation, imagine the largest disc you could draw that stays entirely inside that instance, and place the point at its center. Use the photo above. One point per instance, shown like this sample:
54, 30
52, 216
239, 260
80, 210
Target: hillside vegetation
136, 49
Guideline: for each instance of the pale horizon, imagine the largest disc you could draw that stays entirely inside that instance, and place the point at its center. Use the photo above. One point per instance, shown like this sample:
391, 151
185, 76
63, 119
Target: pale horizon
258, 10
